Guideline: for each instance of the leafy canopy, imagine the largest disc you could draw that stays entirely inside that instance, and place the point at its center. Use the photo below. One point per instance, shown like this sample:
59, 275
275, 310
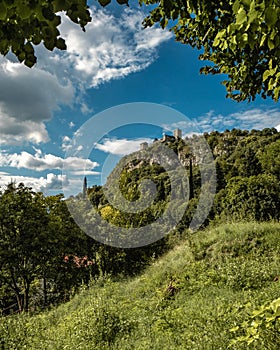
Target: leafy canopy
24, 24
239, 38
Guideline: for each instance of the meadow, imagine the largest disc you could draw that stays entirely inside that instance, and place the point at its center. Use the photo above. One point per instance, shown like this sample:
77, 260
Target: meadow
217, 289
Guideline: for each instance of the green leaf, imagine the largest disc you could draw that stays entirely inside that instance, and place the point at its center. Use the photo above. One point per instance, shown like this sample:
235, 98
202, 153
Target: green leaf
245, 37
246, 3
253, 15
30, 61
241, 16
275, 304
36, 39
270, 16
271, 84
266, 74
60, 44
60, 5
225, 45
28, 48
21, 57
271, 45
49, 44
218, 37
47, 13
123, 2
236, 6
4, 46
3, 11
263, 40
23, 10
56, 21
276, 93
104, 2
233, 40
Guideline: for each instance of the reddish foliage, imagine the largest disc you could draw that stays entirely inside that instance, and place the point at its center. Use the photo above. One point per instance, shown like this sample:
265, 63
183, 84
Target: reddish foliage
78, 261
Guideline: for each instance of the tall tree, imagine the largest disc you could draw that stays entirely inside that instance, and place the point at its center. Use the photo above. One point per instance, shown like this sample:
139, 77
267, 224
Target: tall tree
85, 187
23, 236
251, 198
239, 37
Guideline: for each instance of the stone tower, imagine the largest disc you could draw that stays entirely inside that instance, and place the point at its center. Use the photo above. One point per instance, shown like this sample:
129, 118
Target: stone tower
177, 133
143, 145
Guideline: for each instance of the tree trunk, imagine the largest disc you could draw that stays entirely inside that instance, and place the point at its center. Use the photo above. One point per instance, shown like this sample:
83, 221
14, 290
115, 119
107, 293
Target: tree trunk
19, 302
17, 292
191, 196
45, 293
26, 294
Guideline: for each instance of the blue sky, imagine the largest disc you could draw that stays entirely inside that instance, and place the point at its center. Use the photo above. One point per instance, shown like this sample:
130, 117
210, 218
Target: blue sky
115, 62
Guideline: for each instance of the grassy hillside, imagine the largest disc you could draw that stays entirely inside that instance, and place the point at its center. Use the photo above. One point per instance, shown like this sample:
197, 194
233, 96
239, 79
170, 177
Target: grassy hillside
189, 299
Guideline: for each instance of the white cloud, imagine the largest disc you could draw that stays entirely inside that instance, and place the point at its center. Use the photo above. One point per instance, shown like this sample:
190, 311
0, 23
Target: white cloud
121, 147
44, 184
14, 131
66, 143
278, 127
188, 127
85, 172
85, 109
256, 118
111, 47
40, 162
53, 182
28, 98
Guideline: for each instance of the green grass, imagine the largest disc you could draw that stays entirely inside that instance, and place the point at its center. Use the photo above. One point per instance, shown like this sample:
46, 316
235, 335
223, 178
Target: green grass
218, 277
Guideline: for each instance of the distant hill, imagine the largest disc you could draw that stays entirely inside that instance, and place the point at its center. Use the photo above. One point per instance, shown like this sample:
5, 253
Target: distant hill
247, 165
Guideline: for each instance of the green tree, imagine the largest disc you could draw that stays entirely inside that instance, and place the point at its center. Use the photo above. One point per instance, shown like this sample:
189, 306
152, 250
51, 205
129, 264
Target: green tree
23, 236
246, 162
239, 37
250, 198
69, 262
24, 24
44, 255
270, 158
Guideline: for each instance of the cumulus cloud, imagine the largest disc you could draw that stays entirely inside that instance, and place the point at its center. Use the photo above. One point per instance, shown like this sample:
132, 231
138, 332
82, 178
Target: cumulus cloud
188, 128
28, 98
40, 162
121, 147
14, 131
66, 143
44, 184
53, 182
112, 47
255, 118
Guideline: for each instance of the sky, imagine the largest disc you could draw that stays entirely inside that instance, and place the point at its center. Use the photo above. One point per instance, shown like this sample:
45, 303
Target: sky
115, 62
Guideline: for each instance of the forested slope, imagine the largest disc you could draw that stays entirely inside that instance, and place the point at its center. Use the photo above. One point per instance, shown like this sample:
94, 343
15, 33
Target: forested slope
45, 257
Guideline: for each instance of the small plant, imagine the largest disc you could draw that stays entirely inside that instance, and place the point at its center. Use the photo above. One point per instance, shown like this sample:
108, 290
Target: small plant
263, 325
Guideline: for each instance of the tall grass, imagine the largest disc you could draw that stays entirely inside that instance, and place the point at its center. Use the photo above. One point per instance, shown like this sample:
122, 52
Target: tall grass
188, 299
